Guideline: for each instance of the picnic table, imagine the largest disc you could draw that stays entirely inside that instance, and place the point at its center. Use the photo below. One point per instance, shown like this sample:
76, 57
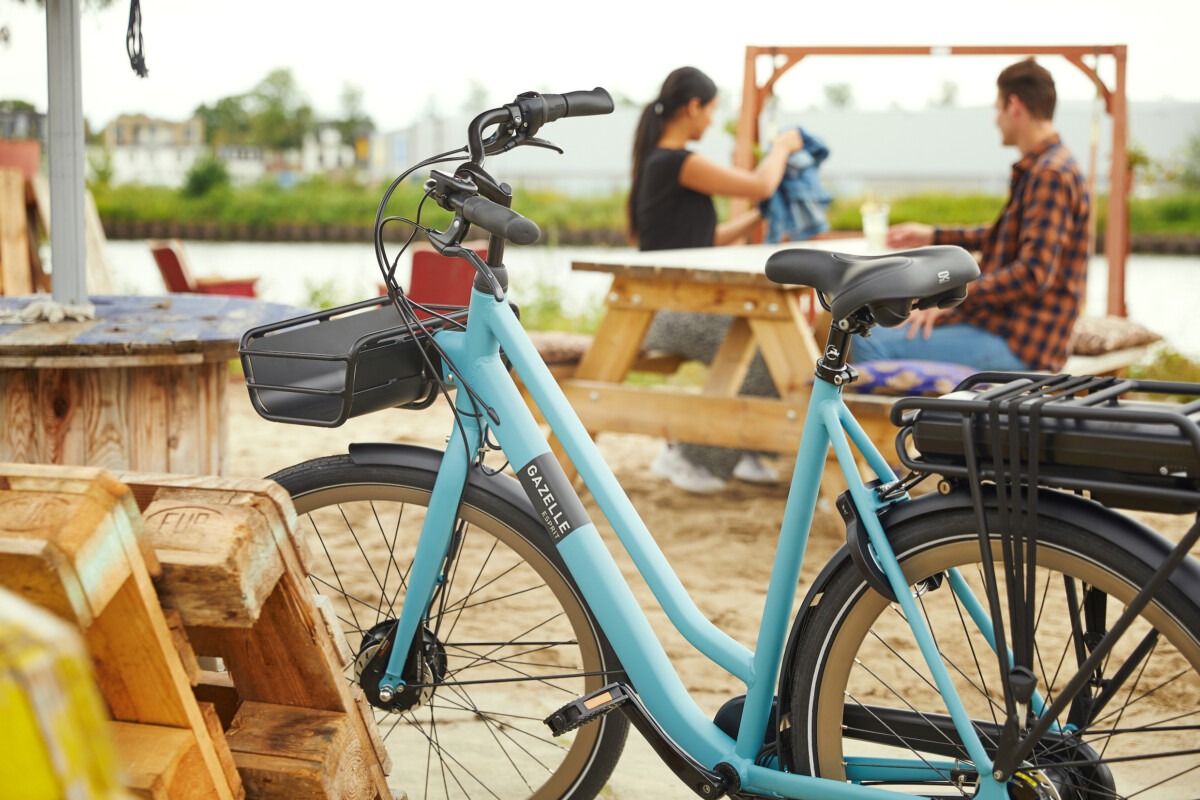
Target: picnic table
140, 387
770, 318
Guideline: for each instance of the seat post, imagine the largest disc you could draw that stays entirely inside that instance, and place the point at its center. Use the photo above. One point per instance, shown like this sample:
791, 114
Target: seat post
832, 366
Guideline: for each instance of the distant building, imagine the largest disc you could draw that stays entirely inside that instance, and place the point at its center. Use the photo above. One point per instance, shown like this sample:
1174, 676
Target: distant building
151, 151
325, 152
18, 123
245, 164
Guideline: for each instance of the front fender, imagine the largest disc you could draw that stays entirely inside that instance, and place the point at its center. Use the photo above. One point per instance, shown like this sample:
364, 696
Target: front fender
503, 487
1107, 525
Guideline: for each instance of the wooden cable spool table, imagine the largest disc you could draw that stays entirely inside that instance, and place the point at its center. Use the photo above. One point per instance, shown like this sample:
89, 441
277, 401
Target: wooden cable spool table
141, 387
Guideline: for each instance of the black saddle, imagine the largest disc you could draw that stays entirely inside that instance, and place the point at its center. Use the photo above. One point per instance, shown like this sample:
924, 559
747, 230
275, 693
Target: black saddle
887, 286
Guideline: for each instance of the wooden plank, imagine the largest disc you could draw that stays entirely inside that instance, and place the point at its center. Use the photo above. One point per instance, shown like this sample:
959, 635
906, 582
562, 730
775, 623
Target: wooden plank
187, 656
620, 333
219, 560
149, 400
763, 423
216, 689
762, 302
16, 277
99, 278
161, 763
58, 402
214, 383
98, 361
785, 349
269, 497
217, 731
106, 428
336, 635
298, 753
183, 445
732, 361
20, 438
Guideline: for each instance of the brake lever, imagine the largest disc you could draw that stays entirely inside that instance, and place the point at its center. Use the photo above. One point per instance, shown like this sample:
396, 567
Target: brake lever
480, 266
533, 140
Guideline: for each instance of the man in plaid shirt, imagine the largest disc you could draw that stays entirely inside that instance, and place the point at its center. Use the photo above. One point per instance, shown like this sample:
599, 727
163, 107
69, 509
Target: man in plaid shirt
1020, 312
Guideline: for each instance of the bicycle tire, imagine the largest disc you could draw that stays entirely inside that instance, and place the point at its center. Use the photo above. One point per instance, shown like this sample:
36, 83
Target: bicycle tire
518, 642
860, 688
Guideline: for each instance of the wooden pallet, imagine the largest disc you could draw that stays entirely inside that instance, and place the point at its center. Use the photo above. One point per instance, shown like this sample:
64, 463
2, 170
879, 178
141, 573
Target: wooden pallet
236, 573
70, 542
164, 574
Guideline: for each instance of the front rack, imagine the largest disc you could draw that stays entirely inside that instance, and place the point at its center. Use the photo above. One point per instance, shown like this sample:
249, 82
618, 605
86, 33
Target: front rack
323, 368
1080, 433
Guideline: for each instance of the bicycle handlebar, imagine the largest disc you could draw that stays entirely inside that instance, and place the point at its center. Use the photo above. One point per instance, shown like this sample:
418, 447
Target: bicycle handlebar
520, 120
497, 219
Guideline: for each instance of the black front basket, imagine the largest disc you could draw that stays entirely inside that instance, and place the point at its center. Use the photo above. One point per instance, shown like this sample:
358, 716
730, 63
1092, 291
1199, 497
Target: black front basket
323, 368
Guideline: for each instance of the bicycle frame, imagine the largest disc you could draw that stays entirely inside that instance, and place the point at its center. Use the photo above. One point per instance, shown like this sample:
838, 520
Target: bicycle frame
475, 352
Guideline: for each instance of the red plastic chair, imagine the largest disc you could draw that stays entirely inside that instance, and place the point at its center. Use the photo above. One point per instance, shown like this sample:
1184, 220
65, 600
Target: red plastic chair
173, 266
440, 280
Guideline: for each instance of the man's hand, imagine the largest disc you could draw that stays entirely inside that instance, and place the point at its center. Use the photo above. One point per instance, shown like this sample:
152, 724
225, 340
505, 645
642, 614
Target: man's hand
921, 320
909, 234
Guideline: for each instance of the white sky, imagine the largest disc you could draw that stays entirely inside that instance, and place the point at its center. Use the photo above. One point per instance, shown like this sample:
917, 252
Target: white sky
408, 57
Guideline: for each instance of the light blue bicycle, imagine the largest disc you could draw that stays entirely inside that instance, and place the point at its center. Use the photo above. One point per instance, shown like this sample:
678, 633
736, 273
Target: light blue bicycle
1003, 637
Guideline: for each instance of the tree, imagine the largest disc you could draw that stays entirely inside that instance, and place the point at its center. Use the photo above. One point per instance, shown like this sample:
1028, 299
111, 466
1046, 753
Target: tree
1189, 173
280, 116
839, 95
226, 122
206, 174
354, 121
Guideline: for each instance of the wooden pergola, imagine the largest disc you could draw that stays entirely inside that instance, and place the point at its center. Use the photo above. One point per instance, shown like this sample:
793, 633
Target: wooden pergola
1116, 237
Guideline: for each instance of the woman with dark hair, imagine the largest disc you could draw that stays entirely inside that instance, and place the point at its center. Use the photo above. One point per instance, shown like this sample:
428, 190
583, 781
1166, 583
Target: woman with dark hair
671, 206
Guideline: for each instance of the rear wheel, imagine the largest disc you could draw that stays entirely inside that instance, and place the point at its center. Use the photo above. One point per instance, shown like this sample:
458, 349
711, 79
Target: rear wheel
507, 643
862, 691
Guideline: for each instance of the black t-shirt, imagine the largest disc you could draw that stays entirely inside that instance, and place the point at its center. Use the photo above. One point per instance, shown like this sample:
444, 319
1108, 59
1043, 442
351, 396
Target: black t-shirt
668, 214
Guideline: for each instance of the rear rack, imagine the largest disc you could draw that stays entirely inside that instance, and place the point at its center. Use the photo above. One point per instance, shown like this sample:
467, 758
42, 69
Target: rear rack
1080, 433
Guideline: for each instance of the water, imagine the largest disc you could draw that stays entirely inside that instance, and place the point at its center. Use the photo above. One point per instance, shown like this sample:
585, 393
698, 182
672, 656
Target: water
1162, 292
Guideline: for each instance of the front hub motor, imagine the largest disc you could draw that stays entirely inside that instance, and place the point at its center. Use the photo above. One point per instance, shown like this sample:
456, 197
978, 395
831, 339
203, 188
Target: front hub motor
424, 668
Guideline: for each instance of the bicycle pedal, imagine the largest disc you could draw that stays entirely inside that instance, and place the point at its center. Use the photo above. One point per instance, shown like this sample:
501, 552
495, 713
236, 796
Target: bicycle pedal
704, 782
588, 708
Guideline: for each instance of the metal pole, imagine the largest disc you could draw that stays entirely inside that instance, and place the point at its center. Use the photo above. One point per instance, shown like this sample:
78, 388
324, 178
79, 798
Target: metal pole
67, 250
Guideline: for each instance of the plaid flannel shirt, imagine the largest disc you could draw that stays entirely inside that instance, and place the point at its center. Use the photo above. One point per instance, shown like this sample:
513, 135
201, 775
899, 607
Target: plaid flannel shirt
1034, 259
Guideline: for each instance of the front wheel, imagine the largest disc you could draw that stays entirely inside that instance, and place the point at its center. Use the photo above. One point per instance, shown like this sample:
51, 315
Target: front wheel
507, 642
864, 706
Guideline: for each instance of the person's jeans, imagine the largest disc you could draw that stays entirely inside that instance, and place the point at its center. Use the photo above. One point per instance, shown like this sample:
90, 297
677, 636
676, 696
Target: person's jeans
958, 344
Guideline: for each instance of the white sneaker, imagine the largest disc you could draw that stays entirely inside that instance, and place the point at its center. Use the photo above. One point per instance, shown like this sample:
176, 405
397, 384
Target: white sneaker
670, 464
752, 468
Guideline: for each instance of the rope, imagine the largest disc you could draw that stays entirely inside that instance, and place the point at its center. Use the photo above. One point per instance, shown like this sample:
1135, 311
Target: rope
133, 40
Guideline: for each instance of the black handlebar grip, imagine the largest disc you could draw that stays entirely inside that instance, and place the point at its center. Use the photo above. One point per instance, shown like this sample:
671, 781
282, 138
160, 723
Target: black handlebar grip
586, 103
578, 104
503, 222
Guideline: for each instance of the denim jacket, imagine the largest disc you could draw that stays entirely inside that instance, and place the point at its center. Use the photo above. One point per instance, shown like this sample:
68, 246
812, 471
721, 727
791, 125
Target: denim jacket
797, 208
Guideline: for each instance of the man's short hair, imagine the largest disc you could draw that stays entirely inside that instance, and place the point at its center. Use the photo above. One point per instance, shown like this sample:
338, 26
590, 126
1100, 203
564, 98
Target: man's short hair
1031, 82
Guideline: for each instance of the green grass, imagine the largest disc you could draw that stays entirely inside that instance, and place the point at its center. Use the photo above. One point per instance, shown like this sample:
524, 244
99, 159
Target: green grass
1166, 364
323, 201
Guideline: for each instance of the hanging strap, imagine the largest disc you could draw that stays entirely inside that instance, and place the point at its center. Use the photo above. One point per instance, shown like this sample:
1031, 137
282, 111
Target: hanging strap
133, 40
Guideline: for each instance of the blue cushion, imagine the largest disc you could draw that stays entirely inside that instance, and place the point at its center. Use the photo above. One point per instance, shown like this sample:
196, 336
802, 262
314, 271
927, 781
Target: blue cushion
911, 376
